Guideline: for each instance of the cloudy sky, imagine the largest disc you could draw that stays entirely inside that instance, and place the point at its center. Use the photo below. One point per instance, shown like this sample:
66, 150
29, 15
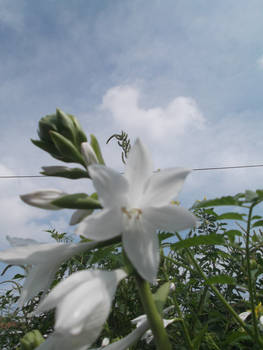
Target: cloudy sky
185, 76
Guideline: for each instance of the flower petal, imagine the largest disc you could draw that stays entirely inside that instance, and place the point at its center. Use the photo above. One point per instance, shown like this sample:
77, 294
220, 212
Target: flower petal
88, 154
138, 170
170, 218
127, 341
111, 186
103, 225
79, 215
142, 247
163, 186
43, 198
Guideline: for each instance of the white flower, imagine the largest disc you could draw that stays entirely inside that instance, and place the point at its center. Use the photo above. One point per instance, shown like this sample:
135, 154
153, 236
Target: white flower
43, 259
88, 154
136, 205
43, 198
83, 303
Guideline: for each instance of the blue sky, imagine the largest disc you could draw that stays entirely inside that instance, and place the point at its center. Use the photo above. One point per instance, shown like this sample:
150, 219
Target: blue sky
185, 76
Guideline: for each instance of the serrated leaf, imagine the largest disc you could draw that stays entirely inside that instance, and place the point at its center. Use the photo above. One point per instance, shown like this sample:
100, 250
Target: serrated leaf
221, 279
211, 239
231, 216
161, 295
77, 201
227, 200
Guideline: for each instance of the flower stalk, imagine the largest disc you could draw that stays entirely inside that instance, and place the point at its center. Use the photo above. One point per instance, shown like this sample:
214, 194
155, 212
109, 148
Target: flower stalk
154, 318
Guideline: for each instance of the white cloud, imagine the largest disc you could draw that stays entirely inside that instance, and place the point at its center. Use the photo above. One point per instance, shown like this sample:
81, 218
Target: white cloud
180, 115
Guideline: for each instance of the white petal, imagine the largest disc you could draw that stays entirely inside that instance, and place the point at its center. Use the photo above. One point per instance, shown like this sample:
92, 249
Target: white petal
138, 170
163, 186
43, 198
102, 225
88, 154
244, 315
170, 218
142, 247
127, 341
111, 186
79, 215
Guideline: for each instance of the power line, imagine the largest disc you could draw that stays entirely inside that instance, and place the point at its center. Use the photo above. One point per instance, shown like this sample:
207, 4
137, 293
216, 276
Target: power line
196, 169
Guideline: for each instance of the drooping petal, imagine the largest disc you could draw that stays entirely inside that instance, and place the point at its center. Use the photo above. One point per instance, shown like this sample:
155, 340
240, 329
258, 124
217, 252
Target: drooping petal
79, 215
102, 225
163, 186
169, 218
138, 170
127, 341
43, 198
142, 247
111, 186
83, 304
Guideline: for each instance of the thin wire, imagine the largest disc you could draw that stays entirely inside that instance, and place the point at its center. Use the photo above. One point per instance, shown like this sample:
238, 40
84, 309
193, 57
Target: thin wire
196, 169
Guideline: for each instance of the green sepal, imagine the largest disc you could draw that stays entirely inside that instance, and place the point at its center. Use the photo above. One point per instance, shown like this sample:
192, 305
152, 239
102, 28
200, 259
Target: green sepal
48, 147
161, 295
31, 340
66, 126
69, 153
80, 134
77, 201
69, 173
96, 147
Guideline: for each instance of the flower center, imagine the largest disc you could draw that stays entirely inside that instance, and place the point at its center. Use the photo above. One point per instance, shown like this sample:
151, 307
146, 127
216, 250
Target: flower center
132, 213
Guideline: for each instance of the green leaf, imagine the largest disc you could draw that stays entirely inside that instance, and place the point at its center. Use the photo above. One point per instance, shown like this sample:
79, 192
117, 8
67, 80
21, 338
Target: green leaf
69, 173
69, 153
232, 233
213, 238
231, 216
164, 235
221, 279
161, 295
258, 223
198, 338
77, 201
96, 147
31, 340
250, 196
227, 200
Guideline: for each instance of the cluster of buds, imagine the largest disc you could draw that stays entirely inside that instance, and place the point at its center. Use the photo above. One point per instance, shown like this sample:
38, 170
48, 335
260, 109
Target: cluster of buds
62, 136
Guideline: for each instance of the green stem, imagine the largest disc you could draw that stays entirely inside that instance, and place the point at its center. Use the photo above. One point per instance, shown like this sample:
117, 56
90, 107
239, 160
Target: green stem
154, 318
250, 284
219, 295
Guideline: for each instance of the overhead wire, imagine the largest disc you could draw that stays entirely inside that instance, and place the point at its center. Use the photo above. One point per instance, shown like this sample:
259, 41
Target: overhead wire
195, 169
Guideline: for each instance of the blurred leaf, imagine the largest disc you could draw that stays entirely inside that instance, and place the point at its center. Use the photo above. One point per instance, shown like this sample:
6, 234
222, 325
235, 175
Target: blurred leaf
164, 235
161, 295
213, 238
198, 338
227, 200
257, 223
69, 173
221, 279
231, 216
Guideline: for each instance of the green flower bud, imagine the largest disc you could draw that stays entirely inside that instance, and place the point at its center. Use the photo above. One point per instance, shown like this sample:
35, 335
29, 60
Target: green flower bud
61, 135
31, 340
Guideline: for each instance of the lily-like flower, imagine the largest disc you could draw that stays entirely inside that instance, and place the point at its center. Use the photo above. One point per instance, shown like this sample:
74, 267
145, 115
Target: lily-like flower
43, 198
83, 303
136, 205
43, 260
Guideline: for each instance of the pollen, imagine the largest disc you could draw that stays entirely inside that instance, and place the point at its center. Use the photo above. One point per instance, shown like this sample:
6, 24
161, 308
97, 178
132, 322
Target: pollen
134, 212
